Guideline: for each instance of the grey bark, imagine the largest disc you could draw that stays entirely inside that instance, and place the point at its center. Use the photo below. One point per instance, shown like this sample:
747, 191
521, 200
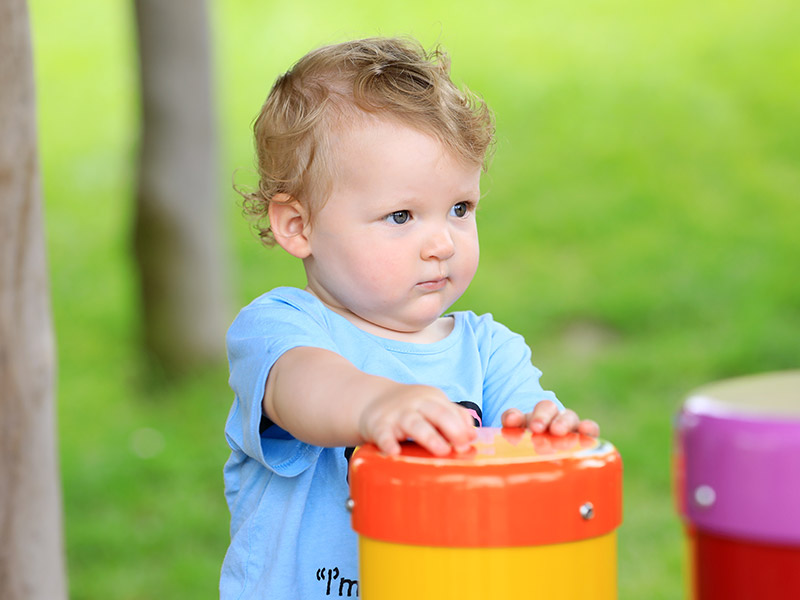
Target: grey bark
178, 241
31, 529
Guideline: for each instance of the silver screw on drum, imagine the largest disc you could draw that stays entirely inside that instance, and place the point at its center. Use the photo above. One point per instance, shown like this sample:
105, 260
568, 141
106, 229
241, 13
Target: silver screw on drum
350, 504
705, 496
587, 511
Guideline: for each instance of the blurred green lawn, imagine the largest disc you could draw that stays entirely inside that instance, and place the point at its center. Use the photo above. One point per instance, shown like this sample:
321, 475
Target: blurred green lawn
640, 228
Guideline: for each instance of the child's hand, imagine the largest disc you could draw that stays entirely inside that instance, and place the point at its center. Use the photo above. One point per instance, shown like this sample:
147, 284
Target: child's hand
419, 412
546, 417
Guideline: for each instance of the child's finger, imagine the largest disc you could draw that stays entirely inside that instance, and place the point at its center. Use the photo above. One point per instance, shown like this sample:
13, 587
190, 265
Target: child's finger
513, 417
589, 427
542, 416
470, 430
423, 432
565, 423
453, 423
387, 442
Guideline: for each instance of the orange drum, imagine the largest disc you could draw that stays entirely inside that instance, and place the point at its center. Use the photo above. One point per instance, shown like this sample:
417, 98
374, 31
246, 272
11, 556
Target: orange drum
516, 514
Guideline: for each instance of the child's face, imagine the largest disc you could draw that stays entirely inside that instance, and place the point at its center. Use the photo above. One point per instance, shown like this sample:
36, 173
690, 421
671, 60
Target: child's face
396, 242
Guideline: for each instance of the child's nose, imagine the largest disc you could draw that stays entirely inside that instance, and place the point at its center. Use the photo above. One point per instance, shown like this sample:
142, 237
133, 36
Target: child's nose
439, 244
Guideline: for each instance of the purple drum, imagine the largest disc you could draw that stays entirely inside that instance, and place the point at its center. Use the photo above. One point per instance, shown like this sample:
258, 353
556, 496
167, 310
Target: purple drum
737, 480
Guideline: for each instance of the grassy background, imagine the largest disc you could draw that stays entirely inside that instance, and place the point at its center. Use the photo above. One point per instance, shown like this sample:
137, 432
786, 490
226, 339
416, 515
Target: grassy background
640, 229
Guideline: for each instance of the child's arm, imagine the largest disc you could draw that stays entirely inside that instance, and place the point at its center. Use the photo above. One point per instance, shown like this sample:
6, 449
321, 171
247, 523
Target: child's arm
546, 416
321, 398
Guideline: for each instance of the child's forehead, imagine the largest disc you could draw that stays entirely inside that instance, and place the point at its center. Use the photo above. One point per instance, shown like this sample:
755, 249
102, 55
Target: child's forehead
376, 136
383, 170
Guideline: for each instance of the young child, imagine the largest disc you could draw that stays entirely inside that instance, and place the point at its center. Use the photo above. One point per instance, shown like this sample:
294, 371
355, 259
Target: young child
369, 160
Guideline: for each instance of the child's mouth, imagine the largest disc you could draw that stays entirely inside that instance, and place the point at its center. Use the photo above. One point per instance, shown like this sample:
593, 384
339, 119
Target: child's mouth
433, 285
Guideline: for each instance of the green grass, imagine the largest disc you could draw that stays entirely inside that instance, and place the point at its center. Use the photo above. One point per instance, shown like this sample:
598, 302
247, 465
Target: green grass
639, 228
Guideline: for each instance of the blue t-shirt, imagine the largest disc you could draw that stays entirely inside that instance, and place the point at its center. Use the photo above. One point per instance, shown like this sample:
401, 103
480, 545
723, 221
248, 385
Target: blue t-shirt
290, 529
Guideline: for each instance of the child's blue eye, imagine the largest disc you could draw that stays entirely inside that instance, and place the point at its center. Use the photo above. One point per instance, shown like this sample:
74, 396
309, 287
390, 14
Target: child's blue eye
398, 217
460, 210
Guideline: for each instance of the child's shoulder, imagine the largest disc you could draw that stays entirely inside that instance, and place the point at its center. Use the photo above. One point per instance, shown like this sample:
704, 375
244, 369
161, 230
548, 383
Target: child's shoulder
284, 296
281, 303
481, 324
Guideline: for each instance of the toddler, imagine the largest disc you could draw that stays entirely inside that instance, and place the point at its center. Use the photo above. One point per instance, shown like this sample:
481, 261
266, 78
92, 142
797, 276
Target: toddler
369, 160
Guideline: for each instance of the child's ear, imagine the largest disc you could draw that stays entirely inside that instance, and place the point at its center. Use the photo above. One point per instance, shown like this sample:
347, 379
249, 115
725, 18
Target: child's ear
289, 222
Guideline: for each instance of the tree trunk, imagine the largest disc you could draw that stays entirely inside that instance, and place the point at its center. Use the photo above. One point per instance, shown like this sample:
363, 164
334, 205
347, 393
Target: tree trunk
31, 538
178, 239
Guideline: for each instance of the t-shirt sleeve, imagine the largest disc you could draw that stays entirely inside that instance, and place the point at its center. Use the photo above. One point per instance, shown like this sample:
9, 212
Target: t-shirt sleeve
510, 379
258, 337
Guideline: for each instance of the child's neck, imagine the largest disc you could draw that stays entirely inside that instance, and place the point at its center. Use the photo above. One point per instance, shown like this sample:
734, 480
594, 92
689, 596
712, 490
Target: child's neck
436, 331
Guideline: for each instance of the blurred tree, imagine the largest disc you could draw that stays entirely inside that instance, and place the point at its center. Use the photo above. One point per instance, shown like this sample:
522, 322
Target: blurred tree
178, 240
31, 537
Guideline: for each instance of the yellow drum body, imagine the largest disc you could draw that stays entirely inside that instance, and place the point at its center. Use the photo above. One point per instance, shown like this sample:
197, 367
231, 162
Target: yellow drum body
585, 569
519, 514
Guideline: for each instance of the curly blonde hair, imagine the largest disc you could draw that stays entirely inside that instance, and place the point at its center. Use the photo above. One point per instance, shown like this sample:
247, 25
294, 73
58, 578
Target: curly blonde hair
335, 85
